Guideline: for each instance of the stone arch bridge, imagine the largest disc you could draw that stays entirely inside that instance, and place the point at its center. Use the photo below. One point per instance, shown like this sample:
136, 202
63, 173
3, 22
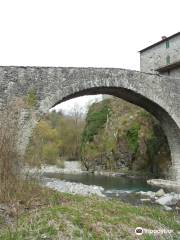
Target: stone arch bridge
159, 95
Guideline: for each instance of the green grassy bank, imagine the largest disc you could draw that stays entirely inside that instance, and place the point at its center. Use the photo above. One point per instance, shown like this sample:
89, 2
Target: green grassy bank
46, 214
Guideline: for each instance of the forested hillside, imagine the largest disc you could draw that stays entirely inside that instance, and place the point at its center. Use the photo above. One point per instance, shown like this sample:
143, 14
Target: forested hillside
119, 136
115, 136
56, 138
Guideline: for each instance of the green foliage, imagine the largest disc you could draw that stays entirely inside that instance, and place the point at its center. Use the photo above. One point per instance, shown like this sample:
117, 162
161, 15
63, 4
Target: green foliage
71, 131
45, 131
31, 98
92, 147
155, 142
50, 153
45, 144
153, 146
112, 128
56, 137
94, 122
133, 136
144, 113
119, 135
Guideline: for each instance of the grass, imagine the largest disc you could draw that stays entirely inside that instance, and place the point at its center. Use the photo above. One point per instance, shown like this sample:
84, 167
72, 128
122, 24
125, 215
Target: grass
51, 215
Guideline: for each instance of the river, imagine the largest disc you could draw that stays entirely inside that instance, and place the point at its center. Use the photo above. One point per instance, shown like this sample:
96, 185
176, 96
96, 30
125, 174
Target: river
123, 188
72, 179
109, 183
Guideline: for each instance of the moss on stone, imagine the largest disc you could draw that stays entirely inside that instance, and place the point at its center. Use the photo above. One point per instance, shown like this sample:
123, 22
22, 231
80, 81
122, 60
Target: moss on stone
31, 98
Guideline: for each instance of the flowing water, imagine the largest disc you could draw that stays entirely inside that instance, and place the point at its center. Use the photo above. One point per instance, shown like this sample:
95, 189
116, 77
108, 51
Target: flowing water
109, 183
116, 187
121, 187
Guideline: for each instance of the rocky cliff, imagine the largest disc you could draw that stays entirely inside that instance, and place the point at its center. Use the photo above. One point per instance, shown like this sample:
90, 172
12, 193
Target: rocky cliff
120, 136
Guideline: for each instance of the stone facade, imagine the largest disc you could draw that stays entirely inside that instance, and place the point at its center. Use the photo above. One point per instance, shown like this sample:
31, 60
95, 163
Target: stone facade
160, 95
162, 57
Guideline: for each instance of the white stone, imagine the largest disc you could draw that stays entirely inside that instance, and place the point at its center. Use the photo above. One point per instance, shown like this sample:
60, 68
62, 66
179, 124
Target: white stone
160, 193
149, 194
168, 199
167, 184
74, 188
167, 208
145, 199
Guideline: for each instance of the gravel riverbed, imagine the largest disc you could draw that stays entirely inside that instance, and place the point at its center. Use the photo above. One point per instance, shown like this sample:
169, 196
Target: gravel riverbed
65, 186
74, 188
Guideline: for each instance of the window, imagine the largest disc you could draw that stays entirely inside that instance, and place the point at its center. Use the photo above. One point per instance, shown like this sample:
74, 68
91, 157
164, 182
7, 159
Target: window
167, 44
168, 59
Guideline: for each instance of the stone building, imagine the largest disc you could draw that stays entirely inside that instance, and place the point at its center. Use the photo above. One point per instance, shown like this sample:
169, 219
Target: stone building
162, 57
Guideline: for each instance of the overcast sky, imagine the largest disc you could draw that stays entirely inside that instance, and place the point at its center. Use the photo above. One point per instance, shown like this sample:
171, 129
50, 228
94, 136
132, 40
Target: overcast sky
83, 33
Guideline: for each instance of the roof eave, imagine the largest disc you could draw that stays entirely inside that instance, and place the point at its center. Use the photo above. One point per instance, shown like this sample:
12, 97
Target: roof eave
157, 43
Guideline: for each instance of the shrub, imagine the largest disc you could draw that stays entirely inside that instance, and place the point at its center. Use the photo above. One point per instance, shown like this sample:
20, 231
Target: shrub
31, 99
156, 141
132, 137
95, 120
50, 153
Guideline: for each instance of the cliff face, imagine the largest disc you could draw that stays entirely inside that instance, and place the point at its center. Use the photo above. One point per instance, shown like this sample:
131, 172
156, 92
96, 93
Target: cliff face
122, 137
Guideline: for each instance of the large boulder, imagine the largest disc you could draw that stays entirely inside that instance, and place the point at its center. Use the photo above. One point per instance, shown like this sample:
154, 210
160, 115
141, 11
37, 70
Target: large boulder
166, 184
168, 199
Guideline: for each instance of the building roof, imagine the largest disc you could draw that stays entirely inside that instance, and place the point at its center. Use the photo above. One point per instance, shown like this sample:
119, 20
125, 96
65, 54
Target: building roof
163, 40
168, 67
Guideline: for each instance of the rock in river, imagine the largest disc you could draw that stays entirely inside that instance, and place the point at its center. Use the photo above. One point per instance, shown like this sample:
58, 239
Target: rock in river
168, 199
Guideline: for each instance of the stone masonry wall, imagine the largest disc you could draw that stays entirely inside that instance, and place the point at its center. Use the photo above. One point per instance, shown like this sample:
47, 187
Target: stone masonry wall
155, 57
159, 95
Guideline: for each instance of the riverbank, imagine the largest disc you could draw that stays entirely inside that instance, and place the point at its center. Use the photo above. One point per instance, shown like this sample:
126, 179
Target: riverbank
72, 179
112, 185
166, 184
73, 188
74, 167
48, 214
170, 201
60, 185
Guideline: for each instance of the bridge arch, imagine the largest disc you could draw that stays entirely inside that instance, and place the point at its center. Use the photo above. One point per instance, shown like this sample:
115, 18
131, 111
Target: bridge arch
159, 95
168, 125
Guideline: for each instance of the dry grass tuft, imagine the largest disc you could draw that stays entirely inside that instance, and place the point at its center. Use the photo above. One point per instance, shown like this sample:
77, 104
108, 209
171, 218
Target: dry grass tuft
10, 161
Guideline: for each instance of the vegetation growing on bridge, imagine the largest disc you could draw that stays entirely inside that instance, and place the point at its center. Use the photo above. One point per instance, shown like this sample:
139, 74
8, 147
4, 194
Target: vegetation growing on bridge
31, 98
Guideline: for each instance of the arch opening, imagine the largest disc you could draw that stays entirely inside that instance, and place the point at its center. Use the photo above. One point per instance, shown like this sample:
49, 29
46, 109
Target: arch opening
168, 124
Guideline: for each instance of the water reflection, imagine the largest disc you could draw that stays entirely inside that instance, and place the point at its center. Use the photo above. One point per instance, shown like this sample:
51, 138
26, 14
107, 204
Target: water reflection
110, 184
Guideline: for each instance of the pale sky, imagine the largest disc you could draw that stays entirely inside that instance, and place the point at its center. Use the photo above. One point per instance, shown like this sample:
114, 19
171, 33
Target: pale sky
83, 33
